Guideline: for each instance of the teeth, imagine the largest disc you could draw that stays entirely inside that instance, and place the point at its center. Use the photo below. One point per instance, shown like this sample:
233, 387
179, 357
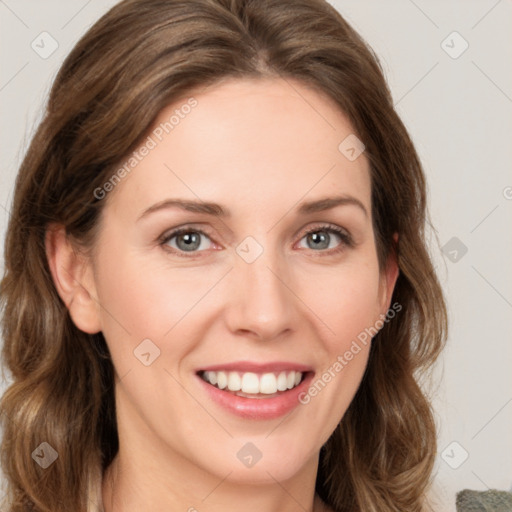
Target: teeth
250, 383
234, 381
222, 379
290, 382
282, 382
253, 383
268, 383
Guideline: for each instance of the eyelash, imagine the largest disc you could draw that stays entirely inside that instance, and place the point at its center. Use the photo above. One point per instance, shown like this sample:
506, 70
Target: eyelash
332, 228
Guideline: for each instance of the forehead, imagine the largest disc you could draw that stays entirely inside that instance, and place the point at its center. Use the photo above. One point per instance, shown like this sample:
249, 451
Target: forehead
263, 143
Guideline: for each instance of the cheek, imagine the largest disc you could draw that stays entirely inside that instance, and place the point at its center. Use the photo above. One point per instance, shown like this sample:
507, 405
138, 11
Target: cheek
137, 304
146, 299
345, 301
346, 305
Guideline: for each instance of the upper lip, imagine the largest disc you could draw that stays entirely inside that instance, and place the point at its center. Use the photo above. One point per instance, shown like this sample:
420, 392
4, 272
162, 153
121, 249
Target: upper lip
249, 366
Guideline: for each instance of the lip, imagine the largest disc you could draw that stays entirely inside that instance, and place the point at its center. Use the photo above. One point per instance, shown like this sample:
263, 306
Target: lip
251, 366
254, 408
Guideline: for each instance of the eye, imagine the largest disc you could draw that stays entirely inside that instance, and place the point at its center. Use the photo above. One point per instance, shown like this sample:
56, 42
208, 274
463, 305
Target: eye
321, 238
187, 240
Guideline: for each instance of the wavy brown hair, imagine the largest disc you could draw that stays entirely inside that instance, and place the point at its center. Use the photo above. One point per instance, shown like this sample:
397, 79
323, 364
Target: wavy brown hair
137, 59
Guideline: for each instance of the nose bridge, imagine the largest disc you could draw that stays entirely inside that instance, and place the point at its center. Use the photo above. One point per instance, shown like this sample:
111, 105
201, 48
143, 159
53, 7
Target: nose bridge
263, 301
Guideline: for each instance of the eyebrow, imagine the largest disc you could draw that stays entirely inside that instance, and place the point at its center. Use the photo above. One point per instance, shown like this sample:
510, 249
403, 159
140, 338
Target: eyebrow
218, 210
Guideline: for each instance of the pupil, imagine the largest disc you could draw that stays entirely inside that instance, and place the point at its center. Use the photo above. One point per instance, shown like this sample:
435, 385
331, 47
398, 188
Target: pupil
319, 238
190, 239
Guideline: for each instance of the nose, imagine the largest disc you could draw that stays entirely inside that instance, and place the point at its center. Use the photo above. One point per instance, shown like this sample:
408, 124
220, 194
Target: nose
262, 304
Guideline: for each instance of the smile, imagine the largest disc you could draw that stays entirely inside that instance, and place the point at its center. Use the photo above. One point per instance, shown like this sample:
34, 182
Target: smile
253, 390
253, 385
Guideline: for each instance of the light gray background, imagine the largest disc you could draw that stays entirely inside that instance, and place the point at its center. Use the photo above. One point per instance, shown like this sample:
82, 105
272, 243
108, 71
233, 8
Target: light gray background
458, 111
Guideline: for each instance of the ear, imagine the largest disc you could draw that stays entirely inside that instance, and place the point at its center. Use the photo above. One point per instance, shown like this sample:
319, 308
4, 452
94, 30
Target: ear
73, 278
389, 277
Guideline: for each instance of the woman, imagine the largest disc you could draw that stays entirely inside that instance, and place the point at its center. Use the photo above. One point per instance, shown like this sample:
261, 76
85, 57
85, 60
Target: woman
217, 291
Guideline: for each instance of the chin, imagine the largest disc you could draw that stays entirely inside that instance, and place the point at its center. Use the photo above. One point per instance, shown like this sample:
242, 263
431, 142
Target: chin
261, 461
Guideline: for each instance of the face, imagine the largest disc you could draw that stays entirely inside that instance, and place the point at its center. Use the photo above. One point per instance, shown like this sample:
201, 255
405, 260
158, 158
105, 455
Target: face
265, 293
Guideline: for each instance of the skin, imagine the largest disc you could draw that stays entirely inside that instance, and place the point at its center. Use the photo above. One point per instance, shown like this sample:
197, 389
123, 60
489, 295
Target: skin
259, 147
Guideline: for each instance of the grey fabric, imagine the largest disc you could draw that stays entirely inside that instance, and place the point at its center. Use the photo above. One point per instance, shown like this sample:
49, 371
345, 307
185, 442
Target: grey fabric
486, 501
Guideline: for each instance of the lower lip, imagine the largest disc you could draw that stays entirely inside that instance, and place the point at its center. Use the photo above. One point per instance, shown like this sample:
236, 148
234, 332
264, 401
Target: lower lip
258, 408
